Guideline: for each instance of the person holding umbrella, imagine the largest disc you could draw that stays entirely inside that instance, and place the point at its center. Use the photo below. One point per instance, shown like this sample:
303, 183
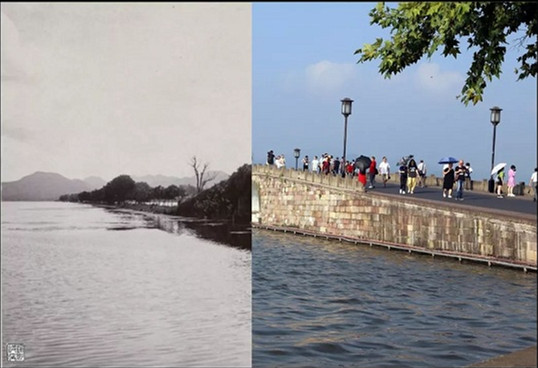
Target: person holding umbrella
499, 171
362, 164
448, 180
448, 175
500, 182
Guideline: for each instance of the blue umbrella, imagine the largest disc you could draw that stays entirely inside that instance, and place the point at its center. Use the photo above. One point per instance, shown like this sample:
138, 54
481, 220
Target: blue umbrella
448, 160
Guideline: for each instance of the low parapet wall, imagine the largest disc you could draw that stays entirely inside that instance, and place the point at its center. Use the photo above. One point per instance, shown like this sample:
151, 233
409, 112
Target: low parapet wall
338, 207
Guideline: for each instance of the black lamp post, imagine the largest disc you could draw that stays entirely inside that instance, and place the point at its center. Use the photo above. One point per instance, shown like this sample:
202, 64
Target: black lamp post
346, 111
296, 154
495, 120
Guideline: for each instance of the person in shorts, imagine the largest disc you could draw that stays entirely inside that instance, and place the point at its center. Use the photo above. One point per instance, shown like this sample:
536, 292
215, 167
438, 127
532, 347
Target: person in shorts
384, 171
422, 174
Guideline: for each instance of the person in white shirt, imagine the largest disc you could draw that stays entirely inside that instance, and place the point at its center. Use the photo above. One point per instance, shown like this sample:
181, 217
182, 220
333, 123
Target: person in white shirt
533, 182
315, 165
277, 162
422, 174
384, 171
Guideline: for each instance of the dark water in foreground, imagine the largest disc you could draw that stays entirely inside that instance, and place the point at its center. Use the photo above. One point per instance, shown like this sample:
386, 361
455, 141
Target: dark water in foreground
318, 303
87, 287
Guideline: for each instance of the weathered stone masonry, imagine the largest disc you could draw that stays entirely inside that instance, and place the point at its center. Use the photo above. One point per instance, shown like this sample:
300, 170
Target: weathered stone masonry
339, 207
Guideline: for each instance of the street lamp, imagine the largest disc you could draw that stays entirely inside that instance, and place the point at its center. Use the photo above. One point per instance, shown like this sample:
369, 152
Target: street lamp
296, 154
346, 111
495, 119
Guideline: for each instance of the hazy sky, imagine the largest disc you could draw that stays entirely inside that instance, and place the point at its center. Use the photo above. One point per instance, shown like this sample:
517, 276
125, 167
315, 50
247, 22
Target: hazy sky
304, 64
125, 88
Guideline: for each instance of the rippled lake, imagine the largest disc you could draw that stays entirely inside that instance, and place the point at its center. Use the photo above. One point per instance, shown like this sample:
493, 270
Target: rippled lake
321, 303
85, 286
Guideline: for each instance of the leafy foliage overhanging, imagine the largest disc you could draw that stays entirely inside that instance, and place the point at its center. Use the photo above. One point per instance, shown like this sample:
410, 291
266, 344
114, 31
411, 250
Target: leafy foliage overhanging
421, 28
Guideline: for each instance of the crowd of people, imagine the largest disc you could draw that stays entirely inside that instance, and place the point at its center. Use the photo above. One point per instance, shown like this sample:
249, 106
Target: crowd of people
411, 174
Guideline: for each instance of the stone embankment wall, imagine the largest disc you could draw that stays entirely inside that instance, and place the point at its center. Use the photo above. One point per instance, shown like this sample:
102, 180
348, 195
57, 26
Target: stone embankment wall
329, 205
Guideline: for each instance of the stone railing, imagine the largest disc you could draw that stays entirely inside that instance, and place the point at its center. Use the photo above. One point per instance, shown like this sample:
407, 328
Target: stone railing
338, 207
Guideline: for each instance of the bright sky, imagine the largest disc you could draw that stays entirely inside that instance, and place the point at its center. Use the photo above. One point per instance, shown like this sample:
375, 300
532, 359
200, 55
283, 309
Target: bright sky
304, 64
107, 89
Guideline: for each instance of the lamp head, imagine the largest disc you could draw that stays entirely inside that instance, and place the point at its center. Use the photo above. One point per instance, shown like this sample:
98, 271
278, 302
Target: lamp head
346, 106
495, 115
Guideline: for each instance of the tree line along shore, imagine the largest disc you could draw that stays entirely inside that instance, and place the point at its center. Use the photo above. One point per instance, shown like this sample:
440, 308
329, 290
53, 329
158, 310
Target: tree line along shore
227, 200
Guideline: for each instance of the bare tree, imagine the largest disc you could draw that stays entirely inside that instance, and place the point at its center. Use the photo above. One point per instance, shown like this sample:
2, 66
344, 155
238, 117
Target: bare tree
202, 177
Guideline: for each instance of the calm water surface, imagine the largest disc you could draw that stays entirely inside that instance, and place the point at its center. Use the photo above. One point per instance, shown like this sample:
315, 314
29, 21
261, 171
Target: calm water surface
83, 286
318, 303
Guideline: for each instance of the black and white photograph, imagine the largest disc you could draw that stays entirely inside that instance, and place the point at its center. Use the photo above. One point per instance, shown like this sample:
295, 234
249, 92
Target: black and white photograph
126, 154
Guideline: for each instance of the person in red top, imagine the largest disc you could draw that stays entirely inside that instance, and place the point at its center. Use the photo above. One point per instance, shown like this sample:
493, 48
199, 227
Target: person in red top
362, 178
372, 173
349, 169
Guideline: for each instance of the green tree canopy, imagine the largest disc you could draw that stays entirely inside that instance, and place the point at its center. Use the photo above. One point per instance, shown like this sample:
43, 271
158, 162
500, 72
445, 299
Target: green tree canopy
421, 28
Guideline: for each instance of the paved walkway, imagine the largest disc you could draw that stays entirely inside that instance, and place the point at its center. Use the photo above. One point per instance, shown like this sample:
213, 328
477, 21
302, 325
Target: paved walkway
519, 204
522, 358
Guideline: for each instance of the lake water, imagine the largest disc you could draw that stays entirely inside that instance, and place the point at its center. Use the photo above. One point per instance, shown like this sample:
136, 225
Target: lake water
322, 303
85, 286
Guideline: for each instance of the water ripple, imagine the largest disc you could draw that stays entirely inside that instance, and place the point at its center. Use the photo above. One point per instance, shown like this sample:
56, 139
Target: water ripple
82, 295
322, 303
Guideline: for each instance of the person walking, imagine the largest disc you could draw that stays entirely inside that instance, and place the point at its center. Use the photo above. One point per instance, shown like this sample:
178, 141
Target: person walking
362, 178
282, 161
306, 162
336, 166
326, 165
468, 180
315, 164
533, 183
350, 169
402, 170
412, 174
372, 172
500, 183
422, 169
448, 181
511, 181
270, 158
384, 171
459, 176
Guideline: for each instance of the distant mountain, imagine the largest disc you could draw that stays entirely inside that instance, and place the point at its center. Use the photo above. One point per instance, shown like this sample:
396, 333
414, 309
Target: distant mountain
42, 186
95, 182
166, 181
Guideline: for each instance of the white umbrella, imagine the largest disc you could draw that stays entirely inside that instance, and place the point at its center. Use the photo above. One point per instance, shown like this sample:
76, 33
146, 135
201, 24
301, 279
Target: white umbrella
498, 167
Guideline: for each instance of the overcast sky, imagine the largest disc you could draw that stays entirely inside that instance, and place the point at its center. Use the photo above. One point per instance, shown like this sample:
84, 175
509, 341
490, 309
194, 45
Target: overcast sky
103, 89
304, 64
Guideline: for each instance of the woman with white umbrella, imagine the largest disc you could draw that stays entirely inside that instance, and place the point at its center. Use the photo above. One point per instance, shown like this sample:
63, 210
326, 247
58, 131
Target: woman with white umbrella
499, 170
500, 182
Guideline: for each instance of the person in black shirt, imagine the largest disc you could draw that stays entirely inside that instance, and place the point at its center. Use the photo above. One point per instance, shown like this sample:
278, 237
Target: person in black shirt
403, 177
448, 180
412, 174
459, 176
270, 158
